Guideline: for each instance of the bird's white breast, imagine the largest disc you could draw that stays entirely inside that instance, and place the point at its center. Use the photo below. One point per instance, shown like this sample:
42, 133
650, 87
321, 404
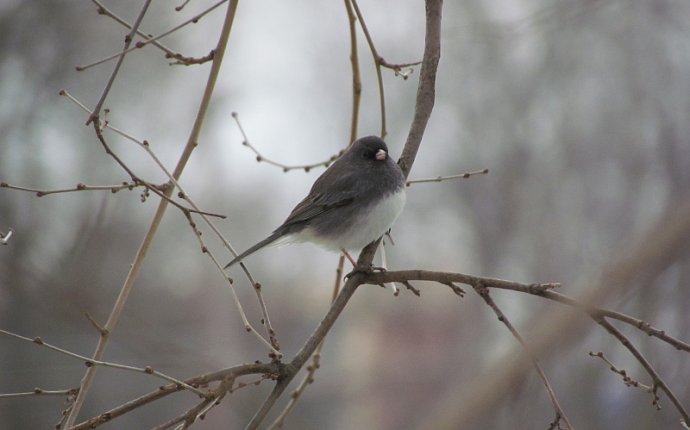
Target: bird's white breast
375, 223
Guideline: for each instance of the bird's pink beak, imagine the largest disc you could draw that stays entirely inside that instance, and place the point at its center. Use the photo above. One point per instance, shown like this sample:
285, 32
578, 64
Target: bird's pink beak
381, 155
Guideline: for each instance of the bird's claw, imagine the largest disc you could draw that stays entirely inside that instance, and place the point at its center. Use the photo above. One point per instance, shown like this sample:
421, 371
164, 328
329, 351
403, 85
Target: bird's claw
365, 269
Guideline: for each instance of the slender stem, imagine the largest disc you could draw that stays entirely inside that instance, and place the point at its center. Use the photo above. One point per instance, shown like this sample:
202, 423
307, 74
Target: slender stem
162, 206
560, 414
128, 41
426, 91
308, 348
356, 78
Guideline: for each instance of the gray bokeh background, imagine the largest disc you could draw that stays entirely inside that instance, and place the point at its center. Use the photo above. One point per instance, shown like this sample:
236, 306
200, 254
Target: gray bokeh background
579, 109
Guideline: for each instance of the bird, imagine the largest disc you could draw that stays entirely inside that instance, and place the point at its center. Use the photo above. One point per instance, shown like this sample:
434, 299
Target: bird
354, 202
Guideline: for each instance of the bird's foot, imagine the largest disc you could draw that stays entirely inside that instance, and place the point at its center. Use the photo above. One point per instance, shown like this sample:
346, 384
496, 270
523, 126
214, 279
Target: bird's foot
365, 269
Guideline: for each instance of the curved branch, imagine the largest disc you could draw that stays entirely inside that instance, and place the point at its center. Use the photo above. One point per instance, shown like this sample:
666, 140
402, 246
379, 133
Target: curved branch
426, 91
598, 315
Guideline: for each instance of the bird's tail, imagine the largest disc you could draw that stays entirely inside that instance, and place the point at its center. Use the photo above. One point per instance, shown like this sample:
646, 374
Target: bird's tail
270, 239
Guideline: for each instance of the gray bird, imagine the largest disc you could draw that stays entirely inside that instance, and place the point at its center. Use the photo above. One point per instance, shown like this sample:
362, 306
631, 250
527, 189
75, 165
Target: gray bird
354, 202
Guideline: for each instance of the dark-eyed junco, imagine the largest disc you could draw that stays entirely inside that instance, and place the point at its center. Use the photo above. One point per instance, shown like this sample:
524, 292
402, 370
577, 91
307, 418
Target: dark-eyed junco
354, 202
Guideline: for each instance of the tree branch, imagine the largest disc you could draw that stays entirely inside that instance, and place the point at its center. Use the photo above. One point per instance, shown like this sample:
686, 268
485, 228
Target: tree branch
192, 142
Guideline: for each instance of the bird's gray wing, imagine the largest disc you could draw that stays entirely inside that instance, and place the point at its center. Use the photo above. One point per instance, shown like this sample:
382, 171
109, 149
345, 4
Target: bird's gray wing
317, 204
328, 192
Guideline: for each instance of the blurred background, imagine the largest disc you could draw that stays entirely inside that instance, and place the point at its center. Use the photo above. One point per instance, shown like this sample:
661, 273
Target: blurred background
579, 108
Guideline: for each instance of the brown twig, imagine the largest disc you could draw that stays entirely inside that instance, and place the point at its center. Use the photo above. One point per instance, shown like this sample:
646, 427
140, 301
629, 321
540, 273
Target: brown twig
542, 290
627, 379
545, 290
152, 40
188, 417
79, 187
95, 114
377, 64
135, 268
163, 191
195, 209
272, 343
41, 392
315, 359
560, 415
102, 10
229, 374
356, 77
446, 178
286, 168
658, 382
92, 363
426, 90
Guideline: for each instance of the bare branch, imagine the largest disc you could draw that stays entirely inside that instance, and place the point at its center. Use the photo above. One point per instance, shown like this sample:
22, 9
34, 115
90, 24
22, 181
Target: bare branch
379, 62
356, 77
228, 374
90, 362
286, 168
79, 187
315, 359
128, 41
153, 40
446, 178
627, 379
426, 91
560, 415
544, 290
192, 142
658, 382
272, 344
41, 392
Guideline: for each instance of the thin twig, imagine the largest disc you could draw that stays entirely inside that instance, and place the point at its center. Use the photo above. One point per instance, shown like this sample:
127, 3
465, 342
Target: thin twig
545, 290
542, 290
315, 359
229, 374
627, 379
128, 41
149, 39
377, 63
41, 392
356, 77
560, 414
446, 178
135, 268
102, 10
90, 362
79, 187
286, 168
247, 325
658, 382
161, 190
195, 209
308, 348
188, 417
